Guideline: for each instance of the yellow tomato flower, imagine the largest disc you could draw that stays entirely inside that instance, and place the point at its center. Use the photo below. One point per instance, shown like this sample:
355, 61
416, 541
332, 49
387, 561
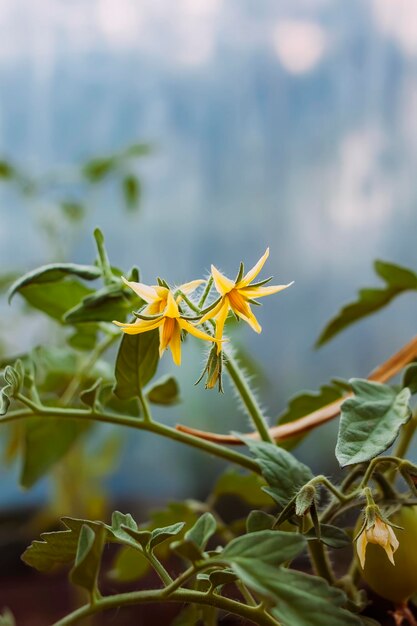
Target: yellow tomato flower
378, 532
237, 296
162, 305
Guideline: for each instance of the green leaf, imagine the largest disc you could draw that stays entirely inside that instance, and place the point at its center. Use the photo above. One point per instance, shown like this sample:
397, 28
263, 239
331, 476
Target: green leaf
398, 280
5, 395
247, 487
136, 363
332, 536
266, 546
46, 441
306, 402
53, 273
6, 618
131, 191
7, 171
129, 565
54, 299
301, 599
165, 391
88, 558
159, 535
410, 378
259, 520
137, 150
104, 305
280, 469
370, 421
97, 169
202, 530
56, 548
84, 337
90, 396
74, 211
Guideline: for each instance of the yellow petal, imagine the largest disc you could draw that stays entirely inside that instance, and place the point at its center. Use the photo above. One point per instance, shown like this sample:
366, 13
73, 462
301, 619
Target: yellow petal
248, 278
212, 314
241, 307
140, 326
191, 286
222, 283
175, 344
146, 292
393, 539
260, 292
193, 330
171, 307
361, 544
220, 322
166, 332
390, 555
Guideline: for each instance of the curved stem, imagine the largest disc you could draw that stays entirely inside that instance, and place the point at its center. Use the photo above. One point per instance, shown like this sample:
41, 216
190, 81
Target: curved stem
248, 398
253, 614
406, 436
132, 422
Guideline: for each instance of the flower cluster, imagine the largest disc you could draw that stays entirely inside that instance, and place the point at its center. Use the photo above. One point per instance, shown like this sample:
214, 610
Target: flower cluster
165, 308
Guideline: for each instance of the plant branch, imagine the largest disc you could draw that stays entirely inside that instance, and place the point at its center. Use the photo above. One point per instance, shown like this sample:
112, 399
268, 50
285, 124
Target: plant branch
384, 372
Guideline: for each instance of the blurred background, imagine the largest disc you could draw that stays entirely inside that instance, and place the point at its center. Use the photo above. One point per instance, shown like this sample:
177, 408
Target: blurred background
287, 124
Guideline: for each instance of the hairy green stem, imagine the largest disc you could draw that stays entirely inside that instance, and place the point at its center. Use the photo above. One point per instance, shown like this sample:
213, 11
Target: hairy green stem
406, 437
205, 293
132, 422
159, 568
254, 614
248, 398
320, 561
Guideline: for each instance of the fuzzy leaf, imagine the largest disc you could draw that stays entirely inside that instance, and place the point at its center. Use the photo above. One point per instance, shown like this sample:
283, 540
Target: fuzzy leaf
370, 421
54, 299
88, 558
398, 280
259, 520
165, 391
280, 469
265, 546
331, 536
136, 363
104, 305
202, 530
128, 565
53, 273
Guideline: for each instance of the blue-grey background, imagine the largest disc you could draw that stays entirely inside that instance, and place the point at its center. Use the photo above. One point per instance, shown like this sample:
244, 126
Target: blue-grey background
283, 123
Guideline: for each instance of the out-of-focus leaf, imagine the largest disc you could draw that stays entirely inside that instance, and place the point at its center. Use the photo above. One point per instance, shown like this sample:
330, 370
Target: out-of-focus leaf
46, 441
370, 421
247, 487
398, 280
89, 396
332, 536
97, 169
74, 211
6, 618
136, 363
84, 337
5, 395
410, 378
105, 305
137, 150
131, 191
165, 391
189, 616
54, 299
128, 565
53, 273
88, 557
7, 171
281, 470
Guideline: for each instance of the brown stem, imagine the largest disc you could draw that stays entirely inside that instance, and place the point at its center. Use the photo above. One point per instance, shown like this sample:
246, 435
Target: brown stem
381, 374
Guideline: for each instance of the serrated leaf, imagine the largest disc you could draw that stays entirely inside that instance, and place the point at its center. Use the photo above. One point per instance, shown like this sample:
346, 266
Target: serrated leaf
56, 548
398, 280
259, 520
131, 190
54, 299
203, 529
300, 599
165, 391
410, 378
46, 441
306, 402
88, 557
281, 470
331, 536
136, 363
53, 273
266, 546
247, 487
6, 618
370, 421
129, 565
